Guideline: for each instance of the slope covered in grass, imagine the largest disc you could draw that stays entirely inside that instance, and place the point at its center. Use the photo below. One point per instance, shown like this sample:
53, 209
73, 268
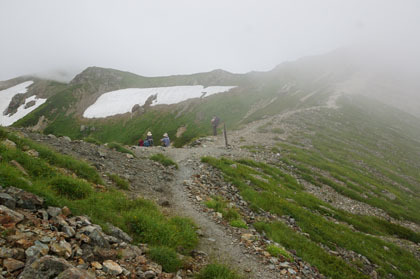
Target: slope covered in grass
363, 151
280, 194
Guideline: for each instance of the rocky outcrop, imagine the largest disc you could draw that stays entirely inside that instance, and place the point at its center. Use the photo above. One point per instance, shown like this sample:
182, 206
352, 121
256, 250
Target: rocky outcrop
45, 267
38, 243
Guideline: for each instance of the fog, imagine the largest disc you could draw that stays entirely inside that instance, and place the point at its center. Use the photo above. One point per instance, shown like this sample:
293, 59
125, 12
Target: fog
60, 38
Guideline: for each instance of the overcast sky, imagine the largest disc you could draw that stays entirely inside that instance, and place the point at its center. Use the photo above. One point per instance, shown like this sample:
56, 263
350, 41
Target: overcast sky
157, 37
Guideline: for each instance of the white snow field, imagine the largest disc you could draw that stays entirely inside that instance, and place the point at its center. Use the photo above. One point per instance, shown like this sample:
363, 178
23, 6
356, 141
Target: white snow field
122, 101
7, 95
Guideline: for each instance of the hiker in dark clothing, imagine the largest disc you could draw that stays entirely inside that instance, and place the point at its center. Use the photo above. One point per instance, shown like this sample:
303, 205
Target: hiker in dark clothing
149, 138
214, 123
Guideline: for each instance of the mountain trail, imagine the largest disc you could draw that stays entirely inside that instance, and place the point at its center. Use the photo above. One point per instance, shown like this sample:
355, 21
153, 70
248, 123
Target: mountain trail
217, 241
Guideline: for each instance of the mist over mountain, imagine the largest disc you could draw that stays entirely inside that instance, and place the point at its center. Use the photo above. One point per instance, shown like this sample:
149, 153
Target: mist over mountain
210, 139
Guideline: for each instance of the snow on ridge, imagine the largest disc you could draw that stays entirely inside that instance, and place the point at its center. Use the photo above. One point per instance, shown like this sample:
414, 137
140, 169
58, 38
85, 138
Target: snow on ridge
122, 101
6, 97
211, 90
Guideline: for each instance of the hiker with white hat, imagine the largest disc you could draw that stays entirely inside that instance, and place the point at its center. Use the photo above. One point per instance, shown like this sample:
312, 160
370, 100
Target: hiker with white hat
149, 138
165, 140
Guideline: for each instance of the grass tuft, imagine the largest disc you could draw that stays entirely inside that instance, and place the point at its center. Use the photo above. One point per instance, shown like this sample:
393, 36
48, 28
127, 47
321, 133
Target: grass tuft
119, 181
163, 160
166, 257
217, 271
118, 147
70, 188
277, 251
92, 140
229, 213
238, 224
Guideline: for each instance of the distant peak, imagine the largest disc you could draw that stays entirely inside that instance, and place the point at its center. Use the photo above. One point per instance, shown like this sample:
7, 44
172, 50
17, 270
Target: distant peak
220, 71
98, 73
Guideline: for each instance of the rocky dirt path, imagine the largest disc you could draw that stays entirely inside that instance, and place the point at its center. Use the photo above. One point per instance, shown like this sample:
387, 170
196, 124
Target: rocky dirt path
216, 241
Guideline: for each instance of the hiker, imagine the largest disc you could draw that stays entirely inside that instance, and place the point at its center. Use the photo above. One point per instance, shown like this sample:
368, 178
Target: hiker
141, 142
149, 138
165, 140
214, 123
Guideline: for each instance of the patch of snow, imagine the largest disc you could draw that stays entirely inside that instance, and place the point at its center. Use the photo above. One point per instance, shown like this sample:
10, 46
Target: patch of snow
211, 90
332, 101
7, 120
176, 94
6, 97
122, 101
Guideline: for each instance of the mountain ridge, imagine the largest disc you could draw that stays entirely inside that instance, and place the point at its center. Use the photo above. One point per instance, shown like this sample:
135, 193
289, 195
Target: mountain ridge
309, 81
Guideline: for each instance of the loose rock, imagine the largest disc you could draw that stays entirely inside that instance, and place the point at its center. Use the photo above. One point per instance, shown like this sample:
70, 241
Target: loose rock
112, 268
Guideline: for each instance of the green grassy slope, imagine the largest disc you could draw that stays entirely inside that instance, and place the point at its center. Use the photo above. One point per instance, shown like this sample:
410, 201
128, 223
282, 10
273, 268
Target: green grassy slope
282, 195
364, 151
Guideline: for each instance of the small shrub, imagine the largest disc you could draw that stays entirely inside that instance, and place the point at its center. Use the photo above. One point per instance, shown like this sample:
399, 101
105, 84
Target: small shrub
277, 251
216, 203
118, 147
262, 129
166, 257
163, 160
119, 181
217, 271
219, 205
238, 224
150, 226
92, 140
71, 188
277, 130
231, 214
275, 150
10, 176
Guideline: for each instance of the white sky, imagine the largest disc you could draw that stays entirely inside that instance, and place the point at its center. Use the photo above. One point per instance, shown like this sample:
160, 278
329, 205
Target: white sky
163, 37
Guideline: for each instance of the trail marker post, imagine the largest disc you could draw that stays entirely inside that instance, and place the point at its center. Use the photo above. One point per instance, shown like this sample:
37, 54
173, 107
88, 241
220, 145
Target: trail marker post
224, 133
